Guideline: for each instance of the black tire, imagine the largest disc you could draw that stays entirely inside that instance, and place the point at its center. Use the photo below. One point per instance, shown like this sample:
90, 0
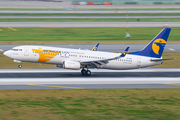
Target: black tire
83, 72
20, 66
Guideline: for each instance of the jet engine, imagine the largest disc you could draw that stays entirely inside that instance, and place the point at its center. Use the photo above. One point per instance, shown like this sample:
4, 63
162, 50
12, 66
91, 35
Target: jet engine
71, 65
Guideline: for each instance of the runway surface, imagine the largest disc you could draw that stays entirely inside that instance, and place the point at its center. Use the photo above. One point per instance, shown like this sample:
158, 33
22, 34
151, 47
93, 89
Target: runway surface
91, 11
72, 79
89, 16
104, 47
89, 24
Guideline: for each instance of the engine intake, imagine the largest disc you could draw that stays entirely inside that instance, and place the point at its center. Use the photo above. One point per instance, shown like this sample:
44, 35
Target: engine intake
71, 65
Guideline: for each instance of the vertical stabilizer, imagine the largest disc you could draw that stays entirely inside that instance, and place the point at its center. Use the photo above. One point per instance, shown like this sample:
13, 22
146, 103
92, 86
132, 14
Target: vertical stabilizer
156, 47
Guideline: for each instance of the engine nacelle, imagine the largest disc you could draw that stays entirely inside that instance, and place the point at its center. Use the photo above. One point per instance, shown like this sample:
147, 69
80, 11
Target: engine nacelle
71, 65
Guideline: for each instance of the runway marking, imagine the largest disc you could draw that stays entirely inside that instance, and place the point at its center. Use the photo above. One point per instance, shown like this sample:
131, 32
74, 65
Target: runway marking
56, 86
170, 84
171, 49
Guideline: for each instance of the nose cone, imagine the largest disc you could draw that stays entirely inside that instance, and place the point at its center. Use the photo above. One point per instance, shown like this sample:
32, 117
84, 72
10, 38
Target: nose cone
6, 53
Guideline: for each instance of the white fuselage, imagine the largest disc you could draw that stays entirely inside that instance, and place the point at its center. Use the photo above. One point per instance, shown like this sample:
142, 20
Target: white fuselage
54, 55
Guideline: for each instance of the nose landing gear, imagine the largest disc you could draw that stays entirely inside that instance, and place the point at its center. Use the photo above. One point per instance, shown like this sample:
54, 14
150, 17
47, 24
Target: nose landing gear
17, 61
20, 66
85, 72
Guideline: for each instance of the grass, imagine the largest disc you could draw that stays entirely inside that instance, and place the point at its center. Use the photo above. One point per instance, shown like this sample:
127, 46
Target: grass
88, 19
84, 35
31, 9
8, 63
71, 13
95, 104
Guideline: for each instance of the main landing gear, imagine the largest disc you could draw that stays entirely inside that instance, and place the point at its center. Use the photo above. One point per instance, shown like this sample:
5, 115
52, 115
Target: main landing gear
85, 72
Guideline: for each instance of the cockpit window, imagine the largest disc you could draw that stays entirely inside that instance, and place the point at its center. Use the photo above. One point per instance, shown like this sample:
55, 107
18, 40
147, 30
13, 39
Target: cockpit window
16, 49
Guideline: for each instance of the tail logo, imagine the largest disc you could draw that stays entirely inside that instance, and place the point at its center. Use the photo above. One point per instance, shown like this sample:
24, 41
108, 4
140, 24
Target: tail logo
95, 48
158, 45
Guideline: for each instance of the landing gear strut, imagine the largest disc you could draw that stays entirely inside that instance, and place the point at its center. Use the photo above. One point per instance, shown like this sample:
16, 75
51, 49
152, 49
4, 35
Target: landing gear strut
85, 72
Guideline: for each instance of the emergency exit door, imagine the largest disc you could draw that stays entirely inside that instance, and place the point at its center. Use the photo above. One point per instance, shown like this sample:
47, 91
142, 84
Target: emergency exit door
26, 51
138, 61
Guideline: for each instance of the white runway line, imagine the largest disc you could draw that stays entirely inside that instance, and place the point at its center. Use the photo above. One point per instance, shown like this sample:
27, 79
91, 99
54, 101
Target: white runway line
57, 70
153, 80
171, 49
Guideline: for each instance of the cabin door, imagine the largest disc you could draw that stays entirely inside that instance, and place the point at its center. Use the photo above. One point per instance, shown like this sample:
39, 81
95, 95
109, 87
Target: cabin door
138, 61
26, 52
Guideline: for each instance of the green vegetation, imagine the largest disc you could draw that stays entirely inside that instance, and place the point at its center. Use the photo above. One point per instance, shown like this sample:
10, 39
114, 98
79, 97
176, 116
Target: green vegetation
89, 19
71, 13
8, 63
95, 104
85, 35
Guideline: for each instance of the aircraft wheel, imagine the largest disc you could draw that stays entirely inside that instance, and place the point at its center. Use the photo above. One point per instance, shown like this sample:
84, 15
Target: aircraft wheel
83, 71
20, 66
88, 72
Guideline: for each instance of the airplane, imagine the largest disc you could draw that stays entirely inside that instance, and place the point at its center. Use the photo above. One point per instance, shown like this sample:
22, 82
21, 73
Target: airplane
77, 59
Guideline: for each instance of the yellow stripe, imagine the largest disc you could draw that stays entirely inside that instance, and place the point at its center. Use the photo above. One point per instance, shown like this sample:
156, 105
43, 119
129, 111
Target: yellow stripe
55, 86
170, 84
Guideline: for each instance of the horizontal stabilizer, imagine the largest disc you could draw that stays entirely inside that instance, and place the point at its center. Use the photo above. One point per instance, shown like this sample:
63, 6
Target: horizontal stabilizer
162, 59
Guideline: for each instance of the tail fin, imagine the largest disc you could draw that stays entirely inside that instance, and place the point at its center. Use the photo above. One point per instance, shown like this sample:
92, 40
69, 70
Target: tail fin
95, 47
156, 47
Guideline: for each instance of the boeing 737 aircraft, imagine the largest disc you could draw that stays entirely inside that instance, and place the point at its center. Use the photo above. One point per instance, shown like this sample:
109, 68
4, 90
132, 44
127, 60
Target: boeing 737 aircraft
82, 59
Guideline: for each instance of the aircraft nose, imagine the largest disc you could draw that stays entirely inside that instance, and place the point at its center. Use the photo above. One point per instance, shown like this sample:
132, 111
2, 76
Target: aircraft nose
6, 53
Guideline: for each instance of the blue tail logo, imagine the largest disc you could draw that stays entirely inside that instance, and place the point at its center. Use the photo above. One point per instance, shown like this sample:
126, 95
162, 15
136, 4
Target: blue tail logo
95, 47
156, 47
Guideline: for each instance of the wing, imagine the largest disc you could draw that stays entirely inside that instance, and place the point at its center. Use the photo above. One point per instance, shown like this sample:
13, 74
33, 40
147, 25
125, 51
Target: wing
99, 63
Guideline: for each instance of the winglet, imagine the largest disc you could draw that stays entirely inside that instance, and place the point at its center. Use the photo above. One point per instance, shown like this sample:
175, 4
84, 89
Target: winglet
124, 53
95, 47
